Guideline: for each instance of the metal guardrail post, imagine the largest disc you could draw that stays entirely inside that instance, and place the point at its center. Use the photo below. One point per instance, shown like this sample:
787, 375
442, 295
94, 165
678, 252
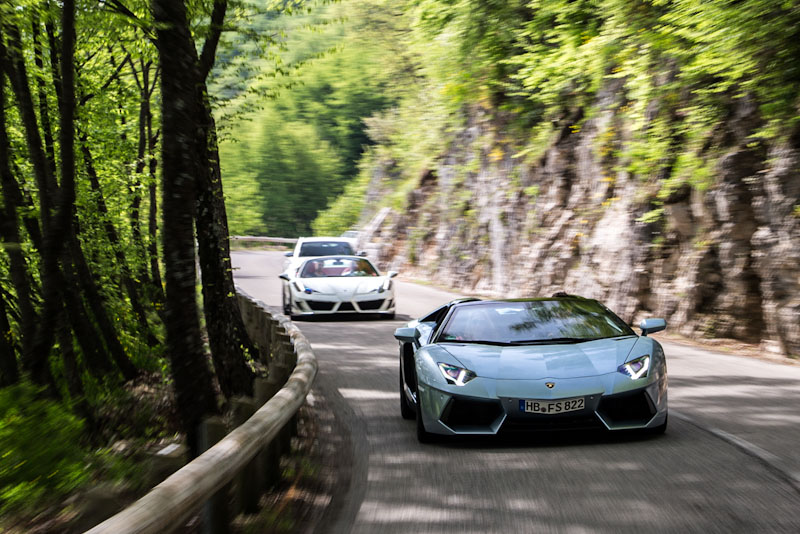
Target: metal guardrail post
260, 391
272, 463
215, 511
248, 485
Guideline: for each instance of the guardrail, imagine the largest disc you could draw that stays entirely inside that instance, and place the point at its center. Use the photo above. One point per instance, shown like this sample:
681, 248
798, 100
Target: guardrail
264, 239
235, 468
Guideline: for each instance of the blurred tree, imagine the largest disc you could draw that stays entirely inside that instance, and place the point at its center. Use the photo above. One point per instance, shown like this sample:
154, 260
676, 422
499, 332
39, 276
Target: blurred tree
304, 145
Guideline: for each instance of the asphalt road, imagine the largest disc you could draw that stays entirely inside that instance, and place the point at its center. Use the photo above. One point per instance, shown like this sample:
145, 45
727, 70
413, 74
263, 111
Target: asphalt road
729, 462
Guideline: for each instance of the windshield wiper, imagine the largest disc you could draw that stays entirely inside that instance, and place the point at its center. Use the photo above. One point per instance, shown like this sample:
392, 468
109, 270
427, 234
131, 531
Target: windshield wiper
553, 340
474, 342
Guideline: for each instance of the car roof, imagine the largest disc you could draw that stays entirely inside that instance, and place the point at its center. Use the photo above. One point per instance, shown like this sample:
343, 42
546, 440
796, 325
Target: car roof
473, 302
338, 239
337, 257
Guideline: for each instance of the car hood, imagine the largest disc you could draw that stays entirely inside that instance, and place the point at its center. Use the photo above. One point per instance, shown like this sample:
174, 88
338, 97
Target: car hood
531, 362
344, 286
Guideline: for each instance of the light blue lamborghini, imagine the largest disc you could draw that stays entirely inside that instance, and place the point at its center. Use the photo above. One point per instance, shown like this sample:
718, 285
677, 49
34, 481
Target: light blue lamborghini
481, 367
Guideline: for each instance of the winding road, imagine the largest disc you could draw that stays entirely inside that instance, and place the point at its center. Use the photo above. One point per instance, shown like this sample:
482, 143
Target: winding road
729, 462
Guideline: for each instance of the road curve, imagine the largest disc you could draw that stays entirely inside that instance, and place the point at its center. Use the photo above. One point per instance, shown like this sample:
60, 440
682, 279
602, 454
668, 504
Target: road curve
728, 462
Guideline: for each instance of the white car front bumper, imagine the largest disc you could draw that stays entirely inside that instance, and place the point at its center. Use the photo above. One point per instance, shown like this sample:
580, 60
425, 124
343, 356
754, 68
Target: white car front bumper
321, 304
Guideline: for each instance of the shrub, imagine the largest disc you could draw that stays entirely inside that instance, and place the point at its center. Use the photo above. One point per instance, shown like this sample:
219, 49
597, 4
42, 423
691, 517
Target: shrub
40, 449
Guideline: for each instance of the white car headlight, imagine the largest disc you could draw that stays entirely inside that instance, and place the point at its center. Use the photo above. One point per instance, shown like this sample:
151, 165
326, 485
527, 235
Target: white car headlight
381, 288
378, 289
298, 285
636, 368
456, 375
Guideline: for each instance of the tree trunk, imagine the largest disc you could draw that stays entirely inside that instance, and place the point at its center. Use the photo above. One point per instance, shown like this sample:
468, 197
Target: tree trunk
36, 360
227, 336
94, 354
136, 203
152, 219
113, 238
71, 372
44, 111
29, 220
230, 343
180, 155
9, 231
9, 371
88, 287
18, 270
18, 76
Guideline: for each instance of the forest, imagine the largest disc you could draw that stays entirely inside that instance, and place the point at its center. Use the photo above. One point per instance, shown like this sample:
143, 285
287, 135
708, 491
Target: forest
111, 199
122, 120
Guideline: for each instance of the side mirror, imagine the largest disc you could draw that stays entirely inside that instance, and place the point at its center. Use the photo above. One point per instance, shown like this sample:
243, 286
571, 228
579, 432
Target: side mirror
407, 335
289, 254
284, 276
650, 326
392, 274
362, 253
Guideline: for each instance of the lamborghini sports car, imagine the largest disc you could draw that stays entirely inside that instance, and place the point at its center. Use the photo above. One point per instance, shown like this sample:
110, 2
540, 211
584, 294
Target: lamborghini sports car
337, 284
481, 367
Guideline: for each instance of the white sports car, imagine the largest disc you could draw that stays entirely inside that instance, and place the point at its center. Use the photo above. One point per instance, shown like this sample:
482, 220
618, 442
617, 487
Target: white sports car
337, 284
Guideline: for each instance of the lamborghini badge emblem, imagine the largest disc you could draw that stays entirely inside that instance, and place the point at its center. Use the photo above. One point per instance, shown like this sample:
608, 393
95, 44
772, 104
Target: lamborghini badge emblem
550, 385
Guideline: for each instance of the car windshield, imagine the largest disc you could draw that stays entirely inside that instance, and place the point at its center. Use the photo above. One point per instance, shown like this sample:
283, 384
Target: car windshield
325, 248
337, 267
533, 322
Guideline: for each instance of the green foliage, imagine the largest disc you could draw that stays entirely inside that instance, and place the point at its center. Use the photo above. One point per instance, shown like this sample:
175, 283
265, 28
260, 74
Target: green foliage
676, 70
652, 216
729, 49
344, 213
42, 457
464, 43
532, 192
296, 153
287, 173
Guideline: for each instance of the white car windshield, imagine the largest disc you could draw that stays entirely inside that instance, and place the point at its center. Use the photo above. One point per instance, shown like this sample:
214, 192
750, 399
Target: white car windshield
533, 322
325, 248
337, 267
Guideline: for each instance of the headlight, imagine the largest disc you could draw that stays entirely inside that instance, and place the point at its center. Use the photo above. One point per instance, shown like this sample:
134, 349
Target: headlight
456, 375
637, 368
378, 289
386, 286
303, 289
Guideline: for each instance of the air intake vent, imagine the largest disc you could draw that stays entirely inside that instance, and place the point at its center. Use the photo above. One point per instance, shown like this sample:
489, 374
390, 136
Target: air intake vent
371, 304
463, 414
626, 409
318, 305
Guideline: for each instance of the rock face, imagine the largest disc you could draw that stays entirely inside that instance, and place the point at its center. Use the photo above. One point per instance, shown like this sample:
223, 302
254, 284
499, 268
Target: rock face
723, 262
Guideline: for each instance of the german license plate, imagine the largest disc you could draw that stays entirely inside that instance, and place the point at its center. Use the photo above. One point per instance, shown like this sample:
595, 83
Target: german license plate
551, 406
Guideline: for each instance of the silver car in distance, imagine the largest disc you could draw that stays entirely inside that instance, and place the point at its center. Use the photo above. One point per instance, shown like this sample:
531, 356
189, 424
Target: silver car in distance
479, 367
337, 284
